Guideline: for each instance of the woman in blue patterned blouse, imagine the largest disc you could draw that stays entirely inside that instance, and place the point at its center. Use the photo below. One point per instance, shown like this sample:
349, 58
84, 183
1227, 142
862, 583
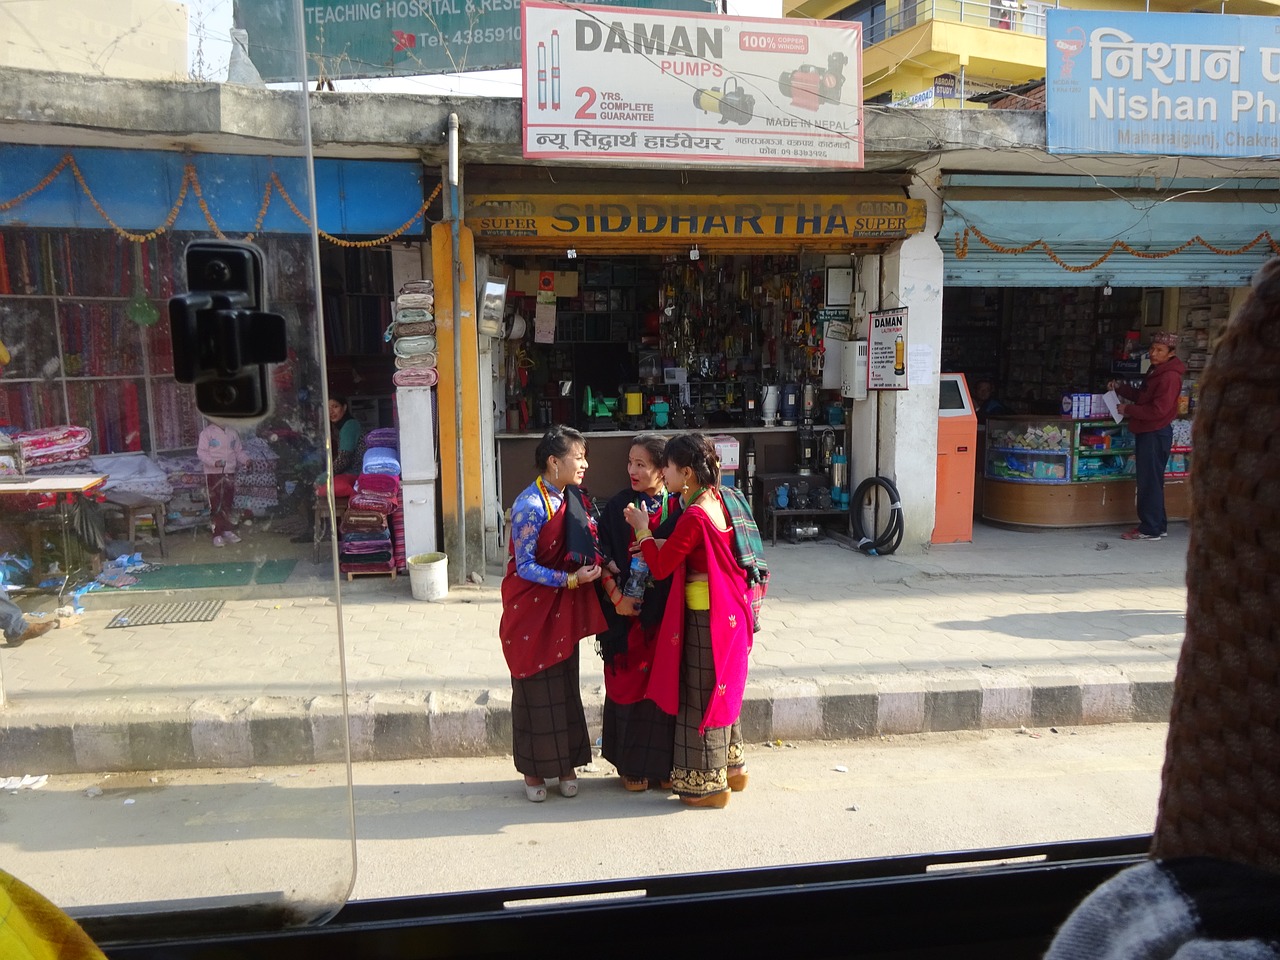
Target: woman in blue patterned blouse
554, 551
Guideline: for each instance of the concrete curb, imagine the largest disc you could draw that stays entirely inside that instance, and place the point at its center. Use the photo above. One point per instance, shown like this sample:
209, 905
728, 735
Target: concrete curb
266, 731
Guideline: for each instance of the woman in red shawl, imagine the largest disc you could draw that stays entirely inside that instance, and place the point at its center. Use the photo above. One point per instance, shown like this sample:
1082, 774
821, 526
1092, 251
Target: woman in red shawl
637, 736
554, 551
700, 662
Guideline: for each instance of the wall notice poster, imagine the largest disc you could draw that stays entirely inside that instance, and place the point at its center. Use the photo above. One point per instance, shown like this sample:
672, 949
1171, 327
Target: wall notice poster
614, 85
887, 350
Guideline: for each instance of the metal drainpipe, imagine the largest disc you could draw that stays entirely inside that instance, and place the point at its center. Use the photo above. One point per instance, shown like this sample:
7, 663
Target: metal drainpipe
456, 272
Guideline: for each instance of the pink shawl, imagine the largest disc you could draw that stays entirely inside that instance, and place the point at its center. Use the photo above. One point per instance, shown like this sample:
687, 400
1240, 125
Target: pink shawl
731, 631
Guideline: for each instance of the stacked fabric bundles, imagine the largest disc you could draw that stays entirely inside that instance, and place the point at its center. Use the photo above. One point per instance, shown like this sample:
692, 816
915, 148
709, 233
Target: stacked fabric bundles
367, 544
388, 439
414, 329
189, 505
53, 445
257, 492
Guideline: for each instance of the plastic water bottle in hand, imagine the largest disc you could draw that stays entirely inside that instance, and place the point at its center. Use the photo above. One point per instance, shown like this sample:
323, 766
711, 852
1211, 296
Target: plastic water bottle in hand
638, 578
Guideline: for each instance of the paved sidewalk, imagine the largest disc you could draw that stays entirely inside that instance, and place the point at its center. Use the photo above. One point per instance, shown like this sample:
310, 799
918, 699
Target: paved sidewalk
1017, 628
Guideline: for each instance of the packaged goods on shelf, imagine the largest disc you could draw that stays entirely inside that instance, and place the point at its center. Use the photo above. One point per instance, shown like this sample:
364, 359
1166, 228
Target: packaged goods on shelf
1034, 438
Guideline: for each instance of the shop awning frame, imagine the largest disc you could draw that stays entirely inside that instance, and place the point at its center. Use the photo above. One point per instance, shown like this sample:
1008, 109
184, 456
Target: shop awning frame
989, 219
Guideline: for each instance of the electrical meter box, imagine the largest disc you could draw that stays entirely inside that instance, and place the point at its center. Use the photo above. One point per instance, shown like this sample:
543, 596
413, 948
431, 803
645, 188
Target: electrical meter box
957, 461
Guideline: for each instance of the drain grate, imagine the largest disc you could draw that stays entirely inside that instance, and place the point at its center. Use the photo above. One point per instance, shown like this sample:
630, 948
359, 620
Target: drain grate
149, 614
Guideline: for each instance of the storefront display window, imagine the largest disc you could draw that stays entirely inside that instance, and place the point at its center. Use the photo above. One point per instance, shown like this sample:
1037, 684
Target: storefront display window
617, 345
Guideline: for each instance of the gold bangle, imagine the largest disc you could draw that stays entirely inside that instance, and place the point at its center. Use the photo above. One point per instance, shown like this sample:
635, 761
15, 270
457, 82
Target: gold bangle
643, 535
572, 582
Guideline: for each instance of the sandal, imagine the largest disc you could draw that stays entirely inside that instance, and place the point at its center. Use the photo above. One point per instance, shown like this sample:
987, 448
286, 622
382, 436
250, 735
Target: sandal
738, 781
535, 792
718, 800
634, 784
568, 788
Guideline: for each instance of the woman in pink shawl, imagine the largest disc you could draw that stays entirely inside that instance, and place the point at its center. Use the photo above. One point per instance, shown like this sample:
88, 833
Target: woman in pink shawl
700, 664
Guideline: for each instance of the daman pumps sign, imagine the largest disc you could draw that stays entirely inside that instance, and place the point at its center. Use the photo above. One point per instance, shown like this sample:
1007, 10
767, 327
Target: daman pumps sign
627, 88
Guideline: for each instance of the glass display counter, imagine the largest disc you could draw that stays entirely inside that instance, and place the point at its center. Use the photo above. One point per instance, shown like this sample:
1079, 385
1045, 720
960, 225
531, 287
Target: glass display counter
1060, 472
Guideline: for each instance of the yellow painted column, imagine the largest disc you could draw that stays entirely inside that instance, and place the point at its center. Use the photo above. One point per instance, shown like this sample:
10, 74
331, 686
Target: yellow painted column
458, 388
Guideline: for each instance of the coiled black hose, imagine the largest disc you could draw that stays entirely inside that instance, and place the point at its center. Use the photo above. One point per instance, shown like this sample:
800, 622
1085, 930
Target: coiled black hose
891, 537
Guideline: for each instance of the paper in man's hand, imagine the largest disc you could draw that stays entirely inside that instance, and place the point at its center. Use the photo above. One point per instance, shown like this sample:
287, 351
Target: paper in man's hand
1112, 400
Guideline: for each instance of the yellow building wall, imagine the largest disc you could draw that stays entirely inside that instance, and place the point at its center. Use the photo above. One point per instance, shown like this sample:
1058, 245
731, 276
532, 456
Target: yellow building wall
824, 9
986, 56
134, 39
959, 38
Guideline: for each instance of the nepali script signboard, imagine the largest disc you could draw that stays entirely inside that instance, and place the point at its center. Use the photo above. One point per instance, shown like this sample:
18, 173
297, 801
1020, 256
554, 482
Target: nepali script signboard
1176, 84
348, 39
611, 85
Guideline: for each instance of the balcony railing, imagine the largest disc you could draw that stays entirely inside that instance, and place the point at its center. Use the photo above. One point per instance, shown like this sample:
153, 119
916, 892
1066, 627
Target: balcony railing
1012, 15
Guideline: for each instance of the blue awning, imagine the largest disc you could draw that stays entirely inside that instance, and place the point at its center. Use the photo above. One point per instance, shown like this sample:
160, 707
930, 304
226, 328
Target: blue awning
1077, 219
137, 190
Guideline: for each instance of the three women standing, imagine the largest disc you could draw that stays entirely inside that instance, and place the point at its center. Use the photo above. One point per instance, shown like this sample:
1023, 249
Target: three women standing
554, 551
675, 673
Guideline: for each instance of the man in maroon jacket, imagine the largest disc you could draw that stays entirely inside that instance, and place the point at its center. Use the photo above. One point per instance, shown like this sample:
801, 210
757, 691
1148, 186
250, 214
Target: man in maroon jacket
1154, 406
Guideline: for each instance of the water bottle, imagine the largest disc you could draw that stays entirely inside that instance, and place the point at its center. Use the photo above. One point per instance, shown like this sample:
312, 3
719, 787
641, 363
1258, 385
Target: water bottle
638, 579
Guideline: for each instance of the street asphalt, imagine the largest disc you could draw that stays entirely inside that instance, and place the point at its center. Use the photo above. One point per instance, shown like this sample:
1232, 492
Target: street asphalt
1017, 628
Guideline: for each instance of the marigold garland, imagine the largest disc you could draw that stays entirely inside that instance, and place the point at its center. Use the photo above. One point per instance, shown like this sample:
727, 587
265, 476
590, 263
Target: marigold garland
135, 237
191, 182
284, 195
962, 249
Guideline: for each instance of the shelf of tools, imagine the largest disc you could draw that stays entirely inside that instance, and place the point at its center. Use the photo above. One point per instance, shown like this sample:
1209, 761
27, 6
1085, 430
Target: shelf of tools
709, 336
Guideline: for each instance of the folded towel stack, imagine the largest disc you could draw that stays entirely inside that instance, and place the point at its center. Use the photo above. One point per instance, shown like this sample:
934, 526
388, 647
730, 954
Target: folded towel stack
368, 543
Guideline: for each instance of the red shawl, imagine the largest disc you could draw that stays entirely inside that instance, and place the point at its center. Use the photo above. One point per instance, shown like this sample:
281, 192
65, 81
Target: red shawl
626, 678
542, 625
731, 630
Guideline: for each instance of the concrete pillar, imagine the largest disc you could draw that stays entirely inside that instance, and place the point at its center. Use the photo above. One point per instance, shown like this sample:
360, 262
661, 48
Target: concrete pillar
908, 419
459, 387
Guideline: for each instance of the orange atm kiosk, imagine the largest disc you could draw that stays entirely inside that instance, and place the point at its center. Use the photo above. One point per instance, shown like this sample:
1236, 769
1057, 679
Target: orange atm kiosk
957, 461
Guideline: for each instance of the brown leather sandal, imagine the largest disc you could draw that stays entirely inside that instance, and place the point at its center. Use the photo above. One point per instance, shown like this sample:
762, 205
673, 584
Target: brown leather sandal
718, 800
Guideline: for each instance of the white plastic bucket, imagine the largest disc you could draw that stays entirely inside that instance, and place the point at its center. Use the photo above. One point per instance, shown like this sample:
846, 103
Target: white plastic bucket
429, 576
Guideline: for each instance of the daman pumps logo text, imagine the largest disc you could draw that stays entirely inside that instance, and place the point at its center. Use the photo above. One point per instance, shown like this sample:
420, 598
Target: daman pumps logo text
592, 35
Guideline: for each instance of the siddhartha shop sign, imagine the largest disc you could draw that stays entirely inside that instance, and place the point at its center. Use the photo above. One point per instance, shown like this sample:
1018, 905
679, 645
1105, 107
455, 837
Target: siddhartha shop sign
1180, 84
747, 220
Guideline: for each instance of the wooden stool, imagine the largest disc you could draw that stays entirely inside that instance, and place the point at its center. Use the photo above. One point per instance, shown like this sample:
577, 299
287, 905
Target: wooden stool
134, 506
323, 521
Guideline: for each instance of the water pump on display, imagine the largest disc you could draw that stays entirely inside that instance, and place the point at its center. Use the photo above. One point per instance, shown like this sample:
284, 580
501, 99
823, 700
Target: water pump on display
810, 86
732, 103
